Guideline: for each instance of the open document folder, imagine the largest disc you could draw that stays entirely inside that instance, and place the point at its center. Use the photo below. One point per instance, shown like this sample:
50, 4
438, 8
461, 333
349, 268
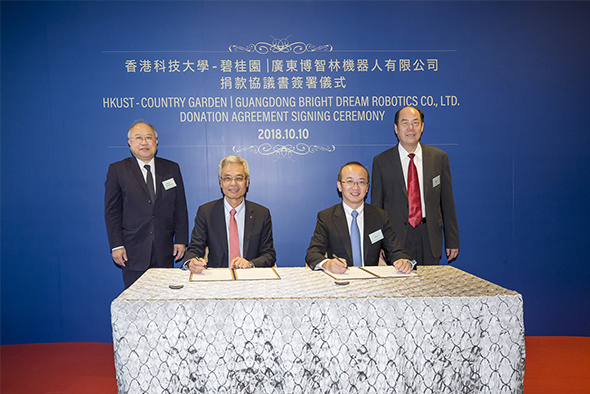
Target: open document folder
372, 272
217, 274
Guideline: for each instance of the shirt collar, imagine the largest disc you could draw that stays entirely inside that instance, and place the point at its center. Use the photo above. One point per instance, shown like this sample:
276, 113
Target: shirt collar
403, 154
142, 164
238, 209
348, 210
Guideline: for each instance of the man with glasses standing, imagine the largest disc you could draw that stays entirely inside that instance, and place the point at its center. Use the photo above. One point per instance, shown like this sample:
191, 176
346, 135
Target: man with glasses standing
145, 207
352, 232
237, 232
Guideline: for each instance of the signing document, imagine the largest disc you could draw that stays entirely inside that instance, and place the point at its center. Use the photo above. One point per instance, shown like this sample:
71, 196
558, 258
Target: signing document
372, 272
227, 274
256, 273
387, 271
212, 274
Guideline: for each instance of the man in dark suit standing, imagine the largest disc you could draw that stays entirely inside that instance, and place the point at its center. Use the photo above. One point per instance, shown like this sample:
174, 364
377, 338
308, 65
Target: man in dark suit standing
145, 207
412, 182
337, 242
237, 232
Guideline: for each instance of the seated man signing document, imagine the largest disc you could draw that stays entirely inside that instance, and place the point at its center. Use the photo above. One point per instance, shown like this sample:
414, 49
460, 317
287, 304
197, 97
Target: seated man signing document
237, 232
352, 232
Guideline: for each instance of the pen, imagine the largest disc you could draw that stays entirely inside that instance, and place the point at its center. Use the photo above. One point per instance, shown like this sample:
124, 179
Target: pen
202, 260
339, 259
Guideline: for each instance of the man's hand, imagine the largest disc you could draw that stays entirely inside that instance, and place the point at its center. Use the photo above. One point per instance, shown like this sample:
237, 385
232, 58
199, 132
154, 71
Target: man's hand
239, 262
335, 266
197, 265
452, 254
403, 266
179, 251
119, 256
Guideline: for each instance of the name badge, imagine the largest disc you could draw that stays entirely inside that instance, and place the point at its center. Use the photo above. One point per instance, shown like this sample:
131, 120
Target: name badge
376, 236
169, 184
436, 181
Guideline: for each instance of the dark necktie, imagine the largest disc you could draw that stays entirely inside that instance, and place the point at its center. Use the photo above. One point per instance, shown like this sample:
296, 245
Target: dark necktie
149, 180
414, 200
355, 241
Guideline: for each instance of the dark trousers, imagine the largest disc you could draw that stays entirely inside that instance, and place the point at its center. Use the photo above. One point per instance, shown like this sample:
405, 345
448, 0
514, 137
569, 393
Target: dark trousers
129, 277
417, 245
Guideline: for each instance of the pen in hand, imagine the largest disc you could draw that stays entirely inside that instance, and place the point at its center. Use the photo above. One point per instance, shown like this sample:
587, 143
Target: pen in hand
342, 261
198, 265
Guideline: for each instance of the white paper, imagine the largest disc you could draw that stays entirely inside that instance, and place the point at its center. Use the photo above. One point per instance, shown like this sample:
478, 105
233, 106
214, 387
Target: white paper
352, 273
387, 271
256, 273
211, 274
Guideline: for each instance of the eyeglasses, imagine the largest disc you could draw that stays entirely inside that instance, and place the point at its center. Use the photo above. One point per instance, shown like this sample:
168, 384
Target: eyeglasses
147, 138
229, 179
351, 183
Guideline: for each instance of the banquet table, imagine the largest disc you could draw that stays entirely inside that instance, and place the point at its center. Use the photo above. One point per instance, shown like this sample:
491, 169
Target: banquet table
441, 331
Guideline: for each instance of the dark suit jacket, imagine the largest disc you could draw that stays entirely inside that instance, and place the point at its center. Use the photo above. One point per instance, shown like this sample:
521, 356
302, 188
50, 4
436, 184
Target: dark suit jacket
210, 231
134, 221
331, 236
389, 191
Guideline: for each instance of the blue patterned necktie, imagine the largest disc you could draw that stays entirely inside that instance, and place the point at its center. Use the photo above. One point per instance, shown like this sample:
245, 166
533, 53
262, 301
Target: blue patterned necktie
355, 241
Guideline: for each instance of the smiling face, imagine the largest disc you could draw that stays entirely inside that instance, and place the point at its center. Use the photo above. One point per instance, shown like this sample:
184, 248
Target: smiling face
409, 128
353, 184
143, 142
234, 183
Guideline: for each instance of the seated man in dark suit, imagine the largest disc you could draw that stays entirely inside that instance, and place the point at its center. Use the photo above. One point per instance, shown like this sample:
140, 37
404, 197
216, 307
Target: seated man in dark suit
237, 232
338, 229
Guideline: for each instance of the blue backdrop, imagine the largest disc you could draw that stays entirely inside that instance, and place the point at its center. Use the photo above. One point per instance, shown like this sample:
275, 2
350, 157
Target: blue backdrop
298, 89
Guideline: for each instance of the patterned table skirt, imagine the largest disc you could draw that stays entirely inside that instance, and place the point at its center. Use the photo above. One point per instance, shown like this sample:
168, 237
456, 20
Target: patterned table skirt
444, 331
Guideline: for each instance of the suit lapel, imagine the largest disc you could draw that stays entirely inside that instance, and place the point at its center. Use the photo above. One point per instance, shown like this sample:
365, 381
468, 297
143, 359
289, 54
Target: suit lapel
248, 226
138, 174
398, 172
367, 227
427, 171
220, 232
341, 226
159, 178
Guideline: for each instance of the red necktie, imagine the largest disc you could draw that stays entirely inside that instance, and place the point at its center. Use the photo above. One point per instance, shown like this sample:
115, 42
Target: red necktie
414, 200
234, 240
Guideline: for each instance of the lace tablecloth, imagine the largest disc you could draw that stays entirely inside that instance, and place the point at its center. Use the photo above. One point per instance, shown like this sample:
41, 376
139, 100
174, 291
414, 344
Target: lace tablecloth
444, 331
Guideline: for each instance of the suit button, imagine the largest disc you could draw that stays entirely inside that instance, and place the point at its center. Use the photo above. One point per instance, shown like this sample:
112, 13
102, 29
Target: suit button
153, 217
149, 201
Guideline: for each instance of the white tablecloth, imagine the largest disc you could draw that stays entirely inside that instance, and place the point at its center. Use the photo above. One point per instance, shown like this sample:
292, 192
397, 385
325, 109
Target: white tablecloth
444, 331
